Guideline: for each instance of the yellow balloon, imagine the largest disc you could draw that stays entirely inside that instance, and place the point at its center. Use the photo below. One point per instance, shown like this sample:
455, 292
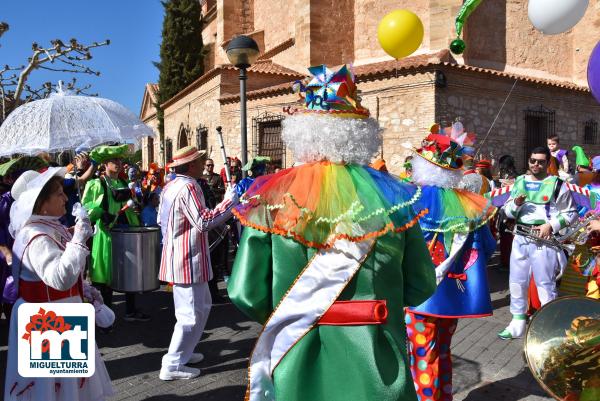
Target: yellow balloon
400, 33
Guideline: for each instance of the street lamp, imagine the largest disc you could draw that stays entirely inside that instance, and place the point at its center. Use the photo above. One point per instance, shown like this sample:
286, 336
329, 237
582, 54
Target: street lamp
242, 52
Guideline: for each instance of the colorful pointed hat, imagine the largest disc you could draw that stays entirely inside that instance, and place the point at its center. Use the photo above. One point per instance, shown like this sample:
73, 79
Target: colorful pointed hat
580, 158
331, 124
330, 93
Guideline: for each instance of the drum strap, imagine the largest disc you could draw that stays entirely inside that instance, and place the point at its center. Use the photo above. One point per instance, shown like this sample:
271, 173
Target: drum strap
122, 218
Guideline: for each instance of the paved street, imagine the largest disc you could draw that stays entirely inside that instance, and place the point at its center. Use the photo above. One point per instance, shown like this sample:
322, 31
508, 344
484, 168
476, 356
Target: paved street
486, 368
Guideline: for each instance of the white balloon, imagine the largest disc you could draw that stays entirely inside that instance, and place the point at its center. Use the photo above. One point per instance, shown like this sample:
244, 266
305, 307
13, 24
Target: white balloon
552, 17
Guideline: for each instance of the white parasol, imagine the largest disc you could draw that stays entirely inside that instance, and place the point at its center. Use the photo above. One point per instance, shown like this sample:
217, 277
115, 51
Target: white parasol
64, 121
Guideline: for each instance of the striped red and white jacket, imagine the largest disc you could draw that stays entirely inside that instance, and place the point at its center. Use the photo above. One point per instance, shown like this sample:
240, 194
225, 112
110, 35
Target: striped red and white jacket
185, 222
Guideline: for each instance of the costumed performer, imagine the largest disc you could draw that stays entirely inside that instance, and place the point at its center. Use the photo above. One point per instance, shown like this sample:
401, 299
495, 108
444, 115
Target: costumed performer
330, 255
48, 266
257, 166
10, 172
593, 285
561, 156
583, 171
545, 204
579, 275
185, 262
460, 244
105, 199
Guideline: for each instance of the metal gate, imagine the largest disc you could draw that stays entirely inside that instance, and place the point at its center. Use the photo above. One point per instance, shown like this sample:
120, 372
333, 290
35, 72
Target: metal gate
540, 123
590, 132
266, 138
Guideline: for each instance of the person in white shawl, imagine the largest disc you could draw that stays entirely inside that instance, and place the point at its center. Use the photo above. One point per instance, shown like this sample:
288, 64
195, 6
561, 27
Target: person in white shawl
47, 265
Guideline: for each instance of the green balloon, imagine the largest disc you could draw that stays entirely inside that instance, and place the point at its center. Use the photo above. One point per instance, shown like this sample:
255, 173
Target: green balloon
458, 46
468, 7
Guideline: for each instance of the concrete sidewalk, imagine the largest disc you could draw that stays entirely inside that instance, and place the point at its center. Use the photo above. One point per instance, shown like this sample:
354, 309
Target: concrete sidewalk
485, 367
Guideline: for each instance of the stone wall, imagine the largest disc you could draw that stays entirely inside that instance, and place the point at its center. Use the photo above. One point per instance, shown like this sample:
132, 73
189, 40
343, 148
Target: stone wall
146, 160
477, 98
331, 32
230, 116
368, 14
276, 19
585, 36
198, 108
499, 35
404, 107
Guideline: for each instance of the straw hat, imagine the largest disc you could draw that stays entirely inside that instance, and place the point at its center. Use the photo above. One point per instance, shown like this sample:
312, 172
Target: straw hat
186, 155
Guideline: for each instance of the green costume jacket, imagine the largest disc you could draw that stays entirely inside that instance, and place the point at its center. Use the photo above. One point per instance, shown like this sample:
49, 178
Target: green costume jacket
339, 363
101, 269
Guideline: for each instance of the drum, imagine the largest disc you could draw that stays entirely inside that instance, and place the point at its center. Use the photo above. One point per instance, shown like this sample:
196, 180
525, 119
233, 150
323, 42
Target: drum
135, 259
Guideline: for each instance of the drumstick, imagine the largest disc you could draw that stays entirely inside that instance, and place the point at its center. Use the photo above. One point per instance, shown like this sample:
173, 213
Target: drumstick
130, 203
224, 154
132, 186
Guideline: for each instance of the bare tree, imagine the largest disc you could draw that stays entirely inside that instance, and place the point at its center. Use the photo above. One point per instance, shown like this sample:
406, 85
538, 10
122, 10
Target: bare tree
59, 57
3, 28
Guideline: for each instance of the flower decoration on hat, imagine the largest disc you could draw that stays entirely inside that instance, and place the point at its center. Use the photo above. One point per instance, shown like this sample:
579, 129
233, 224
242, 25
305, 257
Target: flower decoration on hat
330, 93
445, 147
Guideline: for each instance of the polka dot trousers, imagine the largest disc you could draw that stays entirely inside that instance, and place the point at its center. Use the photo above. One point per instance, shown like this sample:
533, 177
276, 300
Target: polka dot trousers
429, 341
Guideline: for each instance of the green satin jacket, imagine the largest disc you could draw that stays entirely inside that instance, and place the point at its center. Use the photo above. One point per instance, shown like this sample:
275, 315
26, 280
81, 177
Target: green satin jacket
101, 269
339, 363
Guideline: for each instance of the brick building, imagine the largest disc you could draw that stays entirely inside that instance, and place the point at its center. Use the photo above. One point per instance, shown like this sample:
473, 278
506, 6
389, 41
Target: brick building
547, 76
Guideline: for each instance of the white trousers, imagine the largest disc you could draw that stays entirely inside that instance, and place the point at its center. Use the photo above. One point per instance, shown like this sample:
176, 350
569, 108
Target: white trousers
544, 262
192, 306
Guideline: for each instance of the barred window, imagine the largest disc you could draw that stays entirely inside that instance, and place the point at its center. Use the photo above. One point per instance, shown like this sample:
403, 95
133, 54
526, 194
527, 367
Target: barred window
590, 132
266, 138
202, 137
540, 123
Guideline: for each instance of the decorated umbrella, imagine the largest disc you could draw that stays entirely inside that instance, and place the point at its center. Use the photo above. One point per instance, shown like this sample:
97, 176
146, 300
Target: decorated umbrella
21, 164
64, 121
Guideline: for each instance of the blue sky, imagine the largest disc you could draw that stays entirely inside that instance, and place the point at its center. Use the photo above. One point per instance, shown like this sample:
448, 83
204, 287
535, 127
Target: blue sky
133, 26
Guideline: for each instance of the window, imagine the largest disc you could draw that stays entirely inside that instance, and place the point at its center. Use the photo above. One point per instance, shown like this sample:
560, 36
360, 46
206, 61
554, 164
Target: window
539, 125
590, 132
266, 138
150, 150
182, 139
169, 149
202, 137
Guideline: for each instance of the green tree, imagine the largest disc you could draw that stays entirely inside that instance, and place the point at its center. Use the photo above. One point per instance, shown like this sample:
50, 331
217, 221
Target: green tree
181, 51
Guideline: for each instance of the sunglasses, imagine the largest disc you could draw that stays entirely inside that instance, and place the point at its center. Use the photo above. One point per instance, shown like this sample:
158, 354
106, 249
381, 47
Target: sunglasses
539, 162
210, 165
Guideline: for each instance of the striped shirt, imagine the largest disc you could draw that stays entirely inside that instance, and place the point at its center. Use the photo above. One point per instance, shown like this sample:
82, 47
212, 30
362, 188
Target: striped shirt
185, 222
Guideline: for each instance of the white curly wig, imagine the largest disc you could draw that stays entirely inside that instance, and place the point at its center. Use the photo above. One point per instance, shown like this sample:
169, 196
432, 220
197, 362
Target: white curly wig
427, 173
314, 137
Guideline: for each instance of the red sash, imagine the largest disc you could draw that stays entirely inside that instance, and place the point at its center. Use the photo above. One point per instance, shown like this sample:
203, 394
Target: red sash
353, 313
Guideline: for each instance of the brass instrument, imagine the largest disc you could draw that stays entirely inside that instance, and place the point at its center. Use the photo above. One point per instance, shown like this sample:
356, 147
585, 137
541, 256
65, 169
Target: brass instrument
577, 233
531, 233
562, 348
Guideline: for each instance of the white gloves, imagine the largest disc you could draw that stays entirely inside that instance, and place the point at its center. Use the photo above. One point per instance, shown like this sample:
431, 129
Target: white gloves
231, 194
83, 231
80, 213
83, 227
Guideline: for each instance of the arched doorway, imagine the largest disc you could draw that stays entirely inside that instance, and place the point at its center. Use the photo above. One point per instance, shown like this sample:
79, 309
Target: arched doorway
182, 140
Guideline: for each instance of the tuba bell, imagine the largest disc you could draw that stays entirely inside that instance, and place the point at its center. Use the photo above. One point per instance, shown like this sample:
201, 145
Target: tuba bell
562, 348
